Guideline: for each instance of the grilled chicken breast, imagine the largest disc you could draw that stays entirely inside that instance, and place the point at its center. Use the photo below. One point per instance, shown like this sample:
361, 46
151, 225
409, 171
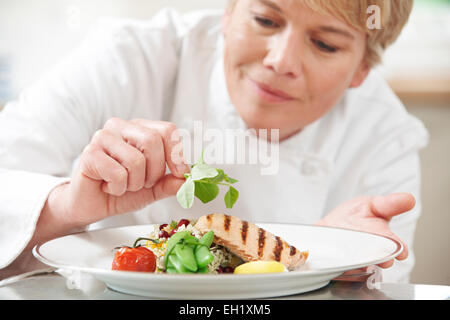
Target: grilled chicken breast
250, 242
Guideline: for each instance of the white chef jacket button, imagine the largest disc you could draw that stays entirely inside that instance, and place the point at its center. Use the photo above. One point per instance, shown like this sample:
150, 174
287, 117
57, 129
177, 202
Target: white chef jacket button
308, 169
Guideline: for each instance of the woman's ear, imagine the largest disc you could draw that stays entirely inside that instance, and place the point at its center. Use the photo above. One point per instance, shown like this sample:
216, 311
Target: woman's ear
360, 75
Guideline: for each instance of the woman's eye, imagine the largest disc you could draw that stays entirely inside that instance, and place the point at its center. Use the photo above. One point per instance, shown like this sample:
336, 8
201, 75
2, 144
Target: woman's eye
324, 47
267, 23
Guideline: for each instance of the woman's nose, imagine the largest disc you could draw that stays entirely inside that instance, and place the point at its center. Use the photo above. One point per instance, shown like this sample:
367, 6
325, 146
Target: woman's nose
284, 55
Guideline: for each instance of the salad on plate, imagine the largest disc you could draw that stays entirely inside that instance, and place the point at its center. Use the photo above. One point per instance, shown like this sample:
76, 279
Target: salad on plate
213, 244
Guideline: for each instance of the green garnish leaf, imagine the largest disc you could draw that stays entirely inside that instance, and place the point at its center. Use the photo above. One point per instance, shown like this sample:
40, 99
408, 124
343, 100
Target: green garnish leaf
231, 197
202, 171
203, 182
206, 192
229, 179
185, 194
173, 224
218, 178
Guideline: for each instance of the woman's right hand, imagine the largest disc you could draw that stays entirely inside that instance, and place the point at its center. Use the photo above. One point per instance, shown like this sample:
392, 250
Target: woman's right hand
123, 169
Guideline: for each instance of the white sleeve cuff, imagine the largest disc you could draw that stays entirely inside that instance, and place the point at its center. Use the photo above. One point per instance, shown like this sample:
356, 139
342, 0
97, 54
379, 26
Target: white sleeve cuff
22, 197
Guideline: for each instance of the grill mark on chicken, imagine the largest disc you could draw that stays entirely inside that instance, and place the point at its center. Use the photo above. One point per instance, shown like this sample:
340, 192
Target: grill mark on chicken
261, 241
278, 249
209, 218
292, 251
244, 231
226, 222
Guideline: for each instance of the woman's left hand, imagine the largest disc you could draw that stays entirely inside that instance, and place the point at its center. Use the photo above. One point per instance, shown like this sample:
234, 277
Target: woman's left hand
372, 214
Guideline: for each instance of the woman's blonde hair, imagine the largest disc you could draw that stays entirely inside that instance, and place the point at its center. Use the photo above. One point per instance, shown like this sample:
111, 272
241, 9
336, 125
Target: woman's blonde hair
394, 15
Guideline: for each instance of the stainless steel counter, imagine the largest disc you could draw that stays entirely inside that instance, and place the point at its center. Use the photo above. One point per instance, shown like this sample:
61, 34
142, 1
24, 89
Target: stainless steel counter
53, 287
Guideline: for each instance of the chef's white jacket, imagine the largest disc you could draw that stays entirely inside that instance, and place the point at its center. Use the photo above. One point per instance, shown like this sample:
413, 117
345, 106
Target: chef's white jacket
171, 68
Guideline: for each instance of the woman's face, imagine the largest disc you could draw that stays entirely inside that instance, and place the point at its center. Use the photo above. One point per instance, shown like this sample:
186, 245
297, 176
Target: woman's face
286, 65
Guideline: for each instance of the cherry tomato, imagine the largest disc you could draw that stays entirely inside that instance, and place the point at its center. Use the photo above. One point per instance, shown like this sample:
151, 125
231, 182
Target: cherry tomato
134, 259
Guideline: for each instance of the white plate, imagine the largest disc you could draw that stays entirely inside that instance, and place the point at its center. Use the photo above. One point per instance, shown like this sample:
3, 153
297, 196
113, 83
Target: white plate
331, 252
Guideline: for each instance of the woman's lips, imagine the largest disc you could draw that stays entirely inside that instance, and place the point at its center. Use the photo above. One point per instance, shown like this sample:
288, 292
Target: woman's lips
269, 94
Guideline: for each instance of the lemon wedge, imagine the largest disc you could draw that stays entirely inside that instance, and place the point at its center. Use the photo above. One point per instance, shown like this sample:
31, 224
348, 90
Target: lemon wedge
254, 267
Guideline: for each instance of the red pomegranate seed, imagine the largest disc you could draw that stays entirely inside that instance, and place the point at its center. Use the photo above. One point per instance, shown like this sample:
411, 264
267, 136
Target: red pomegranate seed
184, 222
228, 270
163, 234
163, 226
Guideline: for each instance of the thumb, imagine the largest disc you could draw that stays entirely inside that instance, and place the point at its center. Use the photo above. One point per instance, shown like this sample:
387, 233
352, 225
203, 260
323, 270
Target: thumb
393, 204
167, 186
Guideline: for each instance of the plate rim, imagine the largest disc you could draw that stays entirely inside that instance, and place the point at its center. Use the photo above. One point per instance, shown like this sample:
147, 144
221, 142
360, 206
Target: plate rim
206, 277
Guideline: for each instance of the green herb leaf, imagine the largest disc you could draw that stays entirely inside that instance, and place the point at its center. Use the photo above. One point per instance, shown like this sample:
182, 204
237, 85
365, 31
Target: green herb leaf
173, 224
206, 192
185, 194
201, 160
230, 180
219, 178
231, 197
203, 182
202, 171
